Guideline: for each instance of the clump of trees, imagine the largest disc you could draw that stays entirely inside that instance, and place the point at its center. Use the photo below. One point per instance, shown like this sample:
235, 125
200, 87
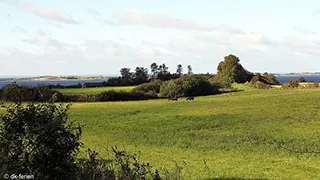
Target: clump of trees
40, 93
141, 75
230, 70
193, 85
263, 81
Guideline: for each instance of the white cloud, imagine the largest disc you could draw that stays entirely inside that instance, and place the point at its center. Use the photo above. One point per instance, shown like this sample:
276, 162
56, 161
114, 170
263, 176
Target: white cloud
19, 29
53, 45
301, 46
305, 31
96, 15
133, 16
50, 13
11, 2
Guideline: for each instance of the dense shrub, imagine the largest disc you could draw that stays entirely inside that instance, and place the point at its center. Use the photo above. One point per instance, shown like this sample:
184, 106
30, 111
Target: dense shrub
38, 140
41, 93
153, 86
192, 85
265, 78
291, 84
124, 96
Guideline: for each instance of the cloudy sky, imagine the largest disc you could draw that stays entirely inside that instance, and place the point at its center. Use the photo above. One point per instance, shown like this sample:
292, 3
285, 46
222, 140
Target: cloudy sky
79, 37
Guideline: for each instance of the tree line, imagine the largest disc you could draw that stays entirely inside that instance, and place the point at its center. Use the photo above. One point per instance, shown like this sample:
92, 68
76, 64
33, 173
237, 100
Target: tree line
141, 75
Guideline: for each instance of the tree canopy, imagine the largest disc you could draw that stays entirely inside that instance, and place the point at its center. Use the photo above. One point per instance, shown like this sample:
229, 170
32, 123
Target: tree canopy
230, 70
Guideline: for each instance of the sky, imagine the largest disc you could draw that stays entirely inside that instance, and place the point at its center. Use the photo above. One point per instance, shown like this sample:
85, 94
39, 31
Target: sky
82, 37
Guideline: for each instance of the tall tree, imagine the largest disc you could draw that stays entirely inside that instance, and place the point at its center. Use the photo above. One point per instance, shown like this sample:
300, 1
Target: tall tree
126, 76
231, 70
163, 72
189, 70
154, 70
140, 75
179, 70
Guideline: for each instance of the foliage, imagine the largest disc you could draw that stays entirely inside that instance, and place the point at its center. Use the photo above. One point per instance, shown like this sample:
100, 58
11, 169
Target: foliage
258, 85
261, 85
265, 78
122, 166
126, 77
230, 70
302, 79
124, 96
179, 70
113, 81
189, 70
37, 139
154, 70
291, 84
147, 87
40, 93
79, 85
192, 85
163, 73
140, 75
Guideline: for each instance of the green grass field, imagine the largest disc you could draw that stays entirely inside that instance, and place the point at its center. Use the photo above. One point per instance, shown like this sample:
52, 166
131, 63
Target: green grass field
91, 91
237, 134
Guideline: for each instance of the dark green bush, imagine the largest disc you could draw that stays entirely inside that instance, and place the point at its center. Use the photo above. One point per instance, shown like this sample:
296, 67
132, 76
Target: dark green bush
192, 85
41, 93
11, 92
38, 140
151, 86
124, 96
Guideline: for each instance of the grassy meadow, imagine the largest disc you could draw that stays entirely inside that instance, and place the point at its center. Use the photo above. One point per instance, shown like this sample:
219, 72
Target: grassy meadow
92, 91
250, 134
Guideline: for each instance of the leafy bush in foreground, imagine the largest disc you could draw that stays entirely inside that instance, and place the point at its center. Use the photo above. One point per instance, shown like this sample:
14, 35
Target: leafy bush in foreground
38, 140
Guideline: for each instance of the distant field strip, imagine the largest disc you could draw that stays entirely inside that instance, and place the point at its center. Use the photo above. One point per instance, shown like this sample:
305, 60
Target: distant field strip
91, 91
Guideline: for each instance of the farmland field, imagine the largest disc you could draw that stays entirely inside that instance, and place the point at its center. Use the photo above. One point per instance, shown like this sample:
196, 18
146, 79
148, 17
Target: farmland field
250, 134
91, 91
